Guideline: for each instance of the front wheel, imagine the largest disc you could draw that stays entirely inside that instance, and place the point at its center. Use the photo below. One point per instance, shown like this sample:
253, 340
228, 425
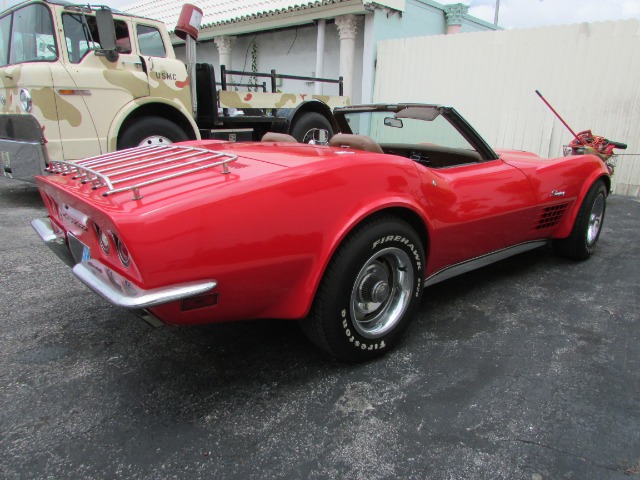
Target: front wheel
581, 243
369, 292
146, 131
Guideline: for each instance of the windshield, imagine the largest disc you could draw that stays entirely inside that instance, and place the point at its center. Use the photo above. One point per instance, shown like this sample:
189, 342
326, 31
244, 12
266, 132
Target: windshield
422, 125
26, 35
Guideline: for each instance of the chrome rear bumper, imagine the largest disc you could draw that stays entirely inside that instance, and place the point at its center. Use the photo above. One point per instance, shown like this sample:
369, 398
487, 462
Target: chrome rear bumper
111, 285
54, 241
121, 292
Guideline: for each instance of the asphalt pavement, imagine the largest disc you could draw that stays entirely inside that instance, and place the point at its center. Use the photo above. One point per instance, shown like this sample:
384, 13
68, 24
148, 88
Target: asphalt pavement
526, 369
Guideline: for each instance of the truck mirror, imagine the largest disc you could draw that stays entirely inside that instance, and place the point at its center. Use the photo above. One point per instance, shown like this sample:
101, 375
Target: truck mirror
107, 34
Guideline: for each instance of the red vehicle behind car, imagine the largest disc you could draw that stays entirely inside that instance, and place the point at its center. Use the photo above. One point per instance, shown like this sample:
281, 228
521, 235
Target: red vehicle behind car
342, 237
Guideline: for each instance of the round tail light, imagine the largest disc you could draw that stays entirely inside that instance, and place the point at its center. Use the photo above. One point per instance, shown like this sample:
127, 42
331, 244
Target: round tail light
123, 252
105, 243
103, 240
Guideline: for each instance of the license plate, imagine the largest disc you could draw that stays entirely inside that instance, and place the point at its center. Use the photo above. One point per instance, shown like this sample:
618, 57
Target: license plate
80, 252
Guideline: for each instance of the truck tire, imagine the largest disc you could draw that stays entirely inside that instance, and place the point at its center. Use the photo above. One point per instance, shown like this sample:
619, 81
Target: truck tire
369, 292
150, 131
306, 125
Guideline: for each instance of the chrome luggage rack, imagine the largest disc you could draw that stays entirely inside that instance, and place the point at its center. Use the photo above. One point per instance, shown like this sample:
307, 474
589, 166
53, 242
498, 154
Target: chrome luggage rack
146, 165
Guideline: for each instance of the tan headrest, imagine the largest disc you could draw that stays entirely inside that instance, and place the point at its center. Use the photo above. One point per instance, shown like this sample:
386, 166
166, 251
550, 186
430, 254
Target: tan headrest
277, 137
357, 142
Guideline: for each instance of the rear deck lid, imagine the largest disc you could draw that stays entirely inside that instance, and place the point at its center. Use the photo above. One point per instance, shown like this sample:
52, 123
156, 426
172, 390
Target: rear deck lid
169, 174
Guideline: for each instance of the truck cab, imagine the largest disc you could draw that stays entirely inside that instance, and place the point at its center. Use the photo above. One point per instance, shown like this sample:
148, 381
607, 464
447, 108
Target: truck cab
64, 97
77, 81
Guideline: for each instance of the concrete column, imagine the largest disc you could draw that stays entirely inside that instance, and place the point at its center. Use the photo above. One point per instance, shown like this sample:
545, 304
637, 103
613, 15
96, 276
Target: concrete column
347, 27
320, 56
224, 45
368, 61
454, 13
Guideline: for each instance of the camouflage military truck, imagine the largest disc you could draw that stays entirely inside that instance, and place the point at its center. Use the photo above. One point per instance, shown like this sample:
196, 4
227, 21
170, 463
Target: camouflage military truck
77, 81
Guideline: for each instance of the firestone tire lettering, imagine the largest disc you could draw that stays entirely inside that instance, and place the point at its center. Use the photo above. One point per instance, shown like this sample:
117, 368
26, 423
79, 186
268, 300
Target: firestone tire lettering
357, 343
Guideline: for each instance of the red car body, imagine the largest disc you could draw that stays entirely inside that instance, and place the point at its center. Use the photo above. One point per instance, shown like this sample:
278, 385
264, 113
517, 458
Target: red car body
265, 232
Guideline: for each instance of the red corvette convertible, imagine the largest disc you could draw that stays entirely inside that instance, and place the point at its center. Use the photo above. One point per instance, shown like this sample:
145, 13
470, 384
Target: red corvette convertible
342, 237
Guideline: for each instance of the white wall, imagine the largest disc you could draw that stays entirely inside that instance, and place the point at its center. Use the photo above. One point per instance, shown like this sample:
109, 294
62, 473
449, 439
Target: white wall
291, 51
589, 72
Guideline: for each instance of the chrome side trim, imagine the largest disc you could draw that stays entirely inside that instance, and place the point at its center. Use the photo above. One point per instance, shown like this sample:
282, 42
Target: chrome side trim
55, 242
122, 293
482, 261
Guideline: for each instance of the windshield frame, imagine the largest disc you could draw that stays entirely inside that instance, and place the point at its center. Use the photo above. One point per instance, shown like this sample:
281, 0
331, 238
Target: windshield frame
412, 110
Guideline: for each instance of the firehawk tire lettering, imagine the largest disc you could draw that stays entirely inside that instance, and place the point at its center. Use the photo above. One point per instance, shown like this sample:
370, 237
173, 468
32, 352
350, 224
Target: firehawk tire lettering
370, 290
401, 239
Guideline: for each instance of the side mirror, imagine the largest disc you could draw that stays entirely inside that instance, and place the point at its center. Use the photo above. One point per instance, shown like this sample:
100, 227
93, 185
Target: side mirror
107, 34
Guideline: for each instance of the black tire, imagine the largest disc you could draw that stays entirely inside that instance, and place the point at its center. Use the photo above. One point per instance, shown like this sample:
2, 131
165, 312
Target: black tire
581, 243
369, 292
303, 128
150, 131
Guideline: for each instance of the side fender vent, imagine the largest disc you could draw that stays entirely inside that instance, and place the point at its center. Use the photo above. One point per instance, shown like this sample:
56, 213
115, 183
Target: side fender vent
550, 216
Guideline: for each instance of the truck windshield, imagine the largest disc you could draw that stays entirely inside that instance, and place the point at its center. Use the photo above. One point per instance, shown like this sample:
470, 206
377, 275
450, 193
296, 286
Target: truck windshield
27, 35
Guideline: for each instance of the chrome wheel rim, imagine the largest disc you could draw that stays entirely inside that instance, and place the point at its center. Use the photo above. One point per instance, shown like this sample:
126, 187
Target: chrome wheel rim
155, 140
595, 220
316, 136
381, 292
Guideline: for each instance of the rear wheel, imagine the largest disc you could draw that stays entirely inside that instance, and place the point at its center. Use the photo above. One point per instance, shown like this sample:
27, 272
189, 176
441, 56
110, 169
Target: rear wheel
311, 128
369, 292
581, 243
149, 130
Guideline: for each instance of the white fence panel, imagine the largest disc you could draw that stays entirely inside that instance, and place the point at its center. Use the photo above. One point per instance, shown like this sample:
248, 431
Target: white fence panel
590, 73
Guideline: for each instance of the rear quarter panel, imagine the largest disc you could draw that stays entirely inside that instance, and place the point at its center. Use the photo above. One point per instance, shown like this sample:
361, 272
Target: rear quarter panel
265, 239
268, 245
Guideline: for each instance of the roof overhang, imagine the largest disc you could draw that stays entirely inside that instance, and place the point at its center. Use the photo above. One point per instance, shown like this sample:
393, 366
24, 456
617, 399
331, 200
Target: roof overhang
258, 15
282, 19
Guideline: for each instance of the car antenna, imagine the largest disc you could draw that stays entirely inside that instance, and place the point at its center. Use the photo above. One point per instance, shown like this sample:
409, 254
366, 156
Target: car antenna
560, 118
